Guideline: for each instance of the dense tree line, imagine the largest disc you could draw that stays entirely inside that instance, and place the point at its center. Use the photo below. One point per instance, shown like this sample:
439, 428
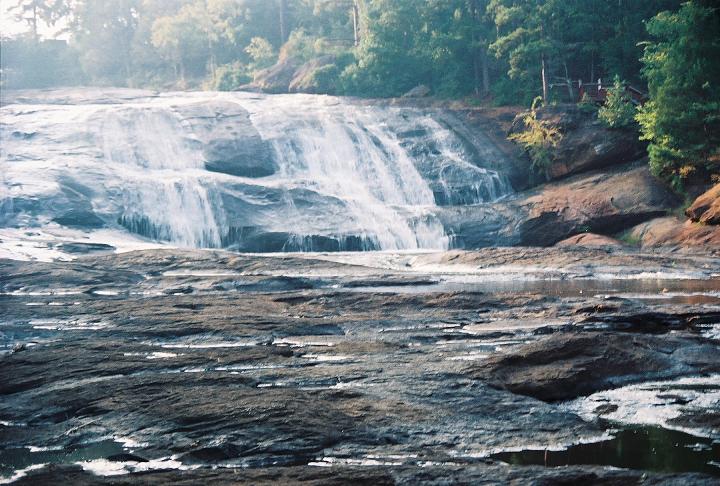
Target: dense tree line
509, 51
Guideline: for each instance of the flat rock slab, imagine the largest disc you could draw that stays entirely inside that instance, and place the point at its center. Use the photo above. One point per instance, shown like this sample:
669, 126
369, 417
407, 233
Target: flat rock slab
162, 366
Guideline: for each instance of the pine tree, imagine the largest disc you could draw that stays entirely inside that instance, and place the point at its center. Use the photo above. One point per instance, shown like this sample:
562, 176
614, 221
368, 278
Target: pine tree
682, 120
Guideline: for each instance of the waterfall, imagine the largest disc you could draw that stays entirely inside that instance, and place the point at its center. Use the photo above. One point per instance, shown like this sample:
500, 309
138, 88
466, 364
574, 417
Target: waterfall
241, 171
161, 176
347, 152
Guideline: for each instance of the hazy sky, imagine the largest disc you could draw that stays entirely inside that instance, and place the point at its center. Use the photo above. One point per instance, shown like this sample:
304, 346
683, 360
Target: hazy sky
9, 26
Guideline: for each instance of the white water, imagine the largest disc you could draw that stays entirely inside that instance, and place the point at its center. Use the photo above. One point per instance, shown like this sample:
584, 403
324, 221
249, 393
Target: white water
343, 170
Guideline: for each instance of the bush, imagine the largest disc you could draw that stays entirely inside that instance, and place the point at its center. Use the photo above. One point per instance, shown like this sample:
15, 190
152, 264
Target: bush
618, 111
229, 77
538, 138
261, 52
587, 104
299, 46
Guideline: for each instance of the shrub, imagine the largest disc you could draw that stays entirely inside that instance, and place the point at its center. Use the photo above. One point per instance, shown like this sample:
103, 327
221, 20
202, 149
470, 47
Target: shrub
229, 77
538, 138
618, 111
261, 52
587, 104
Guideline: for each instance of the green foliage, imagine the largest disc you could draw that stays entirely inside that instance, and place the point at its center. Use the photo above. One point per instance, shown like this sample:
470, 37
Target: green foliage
229, 77
261, 52
299, 46
682, 120
539, 138
587, 104
618, 111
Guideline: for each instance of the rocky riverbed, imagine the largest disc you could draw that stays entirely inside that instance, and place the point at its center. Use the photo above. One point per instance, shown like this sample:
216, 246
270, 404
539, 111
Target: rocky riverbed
161, 366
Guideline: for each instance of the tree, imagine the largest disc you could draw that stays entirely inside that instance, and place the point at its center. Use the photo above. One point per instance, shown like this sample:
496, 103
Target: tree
682, 120
103, 33
618, 111
36, 11
525, 40
184, 39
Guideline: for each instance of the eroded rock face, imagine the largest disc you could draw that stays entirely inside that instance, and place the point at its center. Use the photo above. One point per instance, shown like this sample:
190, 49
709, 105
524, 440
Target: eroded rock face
230, 143
602, 202
706, 208
673, 231
586, 144
263, 368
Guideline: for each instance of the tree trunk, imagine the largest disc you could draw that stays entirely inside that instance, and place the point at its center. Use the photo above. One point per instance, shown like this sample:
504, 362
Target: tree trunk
475, 51
544, 80
359, 18
569, 84
34, 22
356, 23
485, 72
283, 21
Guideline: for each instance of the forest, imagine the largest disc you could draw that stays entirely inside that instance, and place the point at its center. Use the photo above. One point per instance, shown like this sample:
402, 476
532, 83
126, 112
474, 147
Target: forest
482, 51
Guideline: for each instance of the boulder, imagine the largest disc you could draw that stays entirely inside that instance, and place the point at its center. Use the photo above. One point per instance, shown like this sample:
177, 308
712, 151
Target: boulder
230, 143
275, 79
606, 203
601, 202
590, 240
420, 91
568, 365
586, 144
674, 232
80, 218
706, 208
313, 76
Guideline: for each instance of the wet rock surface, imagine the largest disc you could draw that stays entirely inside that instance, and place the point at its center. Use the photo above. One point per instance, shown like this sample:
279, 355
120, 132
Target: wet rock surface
205, 366
598, 202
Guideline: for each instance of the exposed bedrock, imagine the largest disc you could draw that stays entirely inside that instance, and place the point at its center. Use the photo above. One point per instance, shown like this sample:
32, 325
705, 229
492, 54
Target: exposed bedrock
567, 365
586, 144
229, 142
253, 172
599, 202
265, 368
706, 208
671, 231
590, 240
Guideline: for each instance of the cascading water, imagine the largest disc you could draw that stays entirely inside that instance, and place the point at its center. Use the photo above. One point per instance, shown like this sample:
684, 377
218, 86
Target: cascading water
166, 199
238, 170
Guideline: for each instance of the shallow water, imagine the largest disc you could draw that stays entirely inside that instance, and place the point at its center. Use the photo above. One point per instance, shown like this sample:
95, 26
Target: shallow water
647, 448
15, 459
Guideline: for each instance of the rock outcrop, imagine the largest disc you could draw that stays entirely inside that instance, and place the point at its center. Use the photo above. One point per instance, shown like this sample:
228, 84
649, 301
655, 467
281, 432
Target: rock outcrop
706, 208
200, 362
420, 91
602, 202
229, 141
315, 76
275, 79
586, 144
568, 365
674, 232
605, 203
